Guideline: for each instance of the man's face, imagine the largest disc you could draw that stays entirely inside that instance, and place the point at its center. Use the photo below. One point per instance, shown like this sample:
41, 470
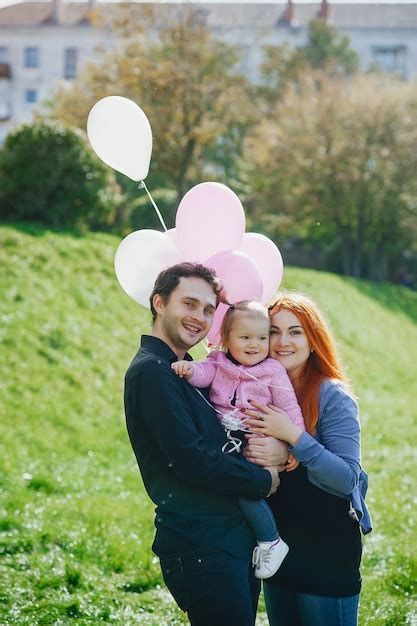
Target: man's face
186, 317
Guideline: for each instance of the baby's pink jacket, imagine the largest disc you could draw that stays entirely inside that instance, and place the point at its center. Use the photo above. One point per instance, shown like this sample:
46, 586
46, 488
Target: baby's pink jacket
272, 384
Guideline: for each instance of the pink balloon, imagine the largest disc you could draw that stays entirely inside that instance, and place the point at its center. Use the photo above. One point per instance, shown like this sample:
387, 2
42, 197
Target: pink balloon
210, 219
214, 333
268, 259
239, 275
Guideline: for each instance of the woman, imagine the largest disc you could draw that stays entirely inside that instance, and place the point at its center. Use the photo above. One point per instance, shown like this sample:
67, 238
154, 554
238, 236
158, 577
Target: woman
319, 505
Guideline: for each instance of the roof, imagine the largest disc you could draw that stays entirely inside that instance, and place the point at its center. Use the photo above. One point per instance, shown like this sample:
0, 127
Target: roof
342, 16
38, 13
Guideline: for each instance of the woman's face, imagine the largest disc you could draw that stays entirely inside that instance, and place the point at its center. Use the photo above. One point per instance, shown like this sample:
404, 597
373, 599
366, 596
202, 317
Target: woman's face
288, 342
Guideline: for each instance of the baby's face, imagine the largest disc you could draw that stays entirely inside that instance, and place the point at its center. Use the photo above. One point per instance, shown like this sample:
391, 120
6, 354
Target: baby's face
248, 340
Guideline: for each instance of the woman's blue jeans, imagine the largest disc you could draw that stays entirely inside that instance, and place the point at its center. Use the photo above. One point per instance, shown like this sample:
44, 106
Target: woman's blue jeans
288, 608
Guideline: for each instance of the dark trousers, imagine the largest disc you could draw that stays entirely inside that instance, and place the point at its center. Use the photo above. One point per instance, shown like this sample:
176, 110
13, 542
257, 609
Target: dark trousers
213, 587
289, 608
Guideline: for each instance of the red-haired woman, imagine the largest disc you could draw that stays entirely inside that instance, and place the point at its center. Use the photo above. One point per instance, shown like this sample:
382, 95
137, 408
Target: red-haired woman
320, 502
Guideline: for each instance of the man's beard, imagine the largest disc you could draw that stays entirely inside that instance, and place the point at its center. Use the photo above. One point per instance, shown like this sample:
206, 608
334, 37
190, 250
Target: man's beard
172, 329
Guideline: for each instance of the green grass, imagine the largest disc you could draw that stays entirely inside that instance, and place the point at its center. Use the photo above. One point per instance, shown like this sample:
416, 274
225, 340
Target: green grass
77, 525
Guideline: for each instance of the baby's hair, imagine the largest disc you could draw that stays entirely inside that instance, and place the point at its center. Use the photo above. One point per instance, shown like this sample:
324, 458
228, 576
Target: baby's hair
245, 308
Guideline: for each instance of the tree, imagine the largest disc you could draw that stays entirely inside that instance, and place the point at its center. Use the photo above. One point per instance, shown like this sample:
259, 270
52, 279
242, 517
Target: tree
337, 162
325, 49
49, 174
281, 65
186, 81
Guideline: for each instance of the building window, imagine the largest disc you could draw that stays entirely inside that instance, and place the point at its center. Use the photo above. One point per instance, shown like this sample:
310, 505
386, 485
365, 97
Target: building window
392, 59
4, 111
31, 57
70, 62
3, 55
31, 96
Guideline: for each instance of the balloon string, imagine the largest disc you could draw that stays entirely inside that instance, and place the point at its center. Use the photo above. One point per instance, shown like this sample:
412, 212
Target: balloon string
142, 185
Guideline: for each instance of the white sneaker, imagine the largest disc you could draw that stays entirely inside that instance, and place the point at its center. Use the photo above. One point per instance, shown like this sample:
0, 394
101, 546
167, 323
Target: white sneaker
268, 556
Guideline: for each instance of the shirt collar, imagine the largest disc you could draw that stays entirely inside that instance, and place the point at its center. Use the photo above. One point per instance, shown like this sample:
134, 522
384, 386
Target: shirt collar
232, 358
161, 348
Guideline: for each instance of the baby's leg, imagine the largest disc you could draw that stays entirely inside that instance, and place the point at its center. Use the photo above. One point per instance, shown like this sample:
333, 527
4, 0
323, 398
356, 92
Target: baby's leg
271, 549
260, 518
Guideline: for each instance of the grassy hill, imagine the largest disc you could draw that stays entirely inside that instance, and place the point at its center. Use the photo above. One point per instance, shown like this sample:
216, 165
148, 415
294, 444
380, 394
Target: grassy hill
78, 526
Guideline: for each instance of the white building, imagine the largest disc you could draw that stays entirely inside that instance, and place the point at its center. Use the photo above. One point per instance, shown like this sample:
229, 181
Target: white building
43, 43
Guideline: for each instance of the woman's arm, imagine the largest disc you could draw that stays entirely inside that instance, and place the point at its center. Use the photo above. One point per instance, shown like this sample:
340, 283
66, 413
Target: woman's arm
335, 462
283, 397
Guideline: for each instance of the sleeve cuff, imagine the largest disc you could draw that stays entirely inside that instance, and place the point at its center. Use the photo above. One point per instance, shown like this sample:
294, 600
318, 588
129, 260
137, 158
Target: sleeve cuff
264, 491
305, 448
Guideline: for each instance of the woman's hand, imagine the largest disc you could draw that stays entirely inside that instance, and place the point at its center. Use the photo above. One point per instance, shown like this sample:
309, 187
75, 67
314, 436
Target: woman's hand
268, 420
266, 451
292, 463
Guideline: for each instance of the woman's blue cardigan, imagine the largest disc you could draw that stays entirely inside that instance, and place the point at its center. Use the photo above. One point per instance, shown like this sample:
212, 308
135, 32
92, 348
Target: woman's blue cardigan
332, 455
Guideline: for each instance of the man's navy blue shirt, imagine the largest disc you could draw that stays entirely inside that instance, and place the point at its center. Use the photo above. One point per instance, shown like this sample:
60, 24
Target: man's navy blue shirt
177, 440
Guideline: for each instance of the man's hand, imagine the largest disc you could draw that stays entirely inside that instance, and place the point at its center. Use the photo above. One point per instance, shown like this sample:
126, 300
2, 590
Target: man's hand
266, 451
275, 479
183, 369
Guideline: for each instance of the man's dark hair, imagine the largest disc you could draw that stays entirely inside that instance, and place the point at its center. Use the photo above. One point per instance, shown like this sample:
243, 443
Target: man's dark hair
169, 279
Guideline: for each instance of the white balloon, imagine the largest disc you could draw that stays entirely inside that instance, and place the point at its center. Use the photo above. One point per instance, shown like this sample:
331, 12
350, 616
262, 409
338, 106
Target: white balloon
139, 259
120, 134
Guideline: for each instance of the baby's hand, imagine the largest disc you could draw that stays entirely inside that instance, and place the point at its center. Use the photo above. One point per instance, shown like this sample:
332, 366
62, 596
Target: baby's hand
183, 369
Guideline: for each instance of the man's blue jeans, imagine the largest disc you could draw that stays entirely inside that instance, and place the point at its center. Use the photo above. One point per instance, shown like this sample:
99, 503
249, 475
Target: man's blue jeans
213, 587
288, 608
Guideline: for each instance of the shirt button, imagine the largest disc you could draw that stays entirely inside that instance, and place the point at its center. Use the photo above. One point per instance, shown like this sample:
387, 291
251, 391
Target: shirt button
199, 560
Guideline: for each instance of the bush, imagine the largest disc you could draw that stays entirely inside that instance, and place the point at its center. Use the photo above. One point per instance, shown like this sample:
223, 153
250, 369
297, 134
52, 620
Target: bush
49, 174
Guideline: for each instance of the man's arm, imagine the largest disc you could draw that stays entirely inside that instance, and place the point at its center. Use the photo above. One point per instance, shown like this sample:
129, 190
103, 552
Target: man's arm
155, 393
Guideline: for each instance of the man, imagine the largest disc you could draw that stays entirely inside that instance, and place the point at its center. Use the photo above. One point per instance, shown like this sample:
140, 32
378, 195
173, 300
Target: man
202, 539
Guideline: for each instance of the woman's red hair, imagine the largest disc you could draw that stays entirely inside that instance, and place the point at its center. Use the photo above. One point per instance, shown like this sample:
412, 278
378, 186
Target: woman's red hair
323, 362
